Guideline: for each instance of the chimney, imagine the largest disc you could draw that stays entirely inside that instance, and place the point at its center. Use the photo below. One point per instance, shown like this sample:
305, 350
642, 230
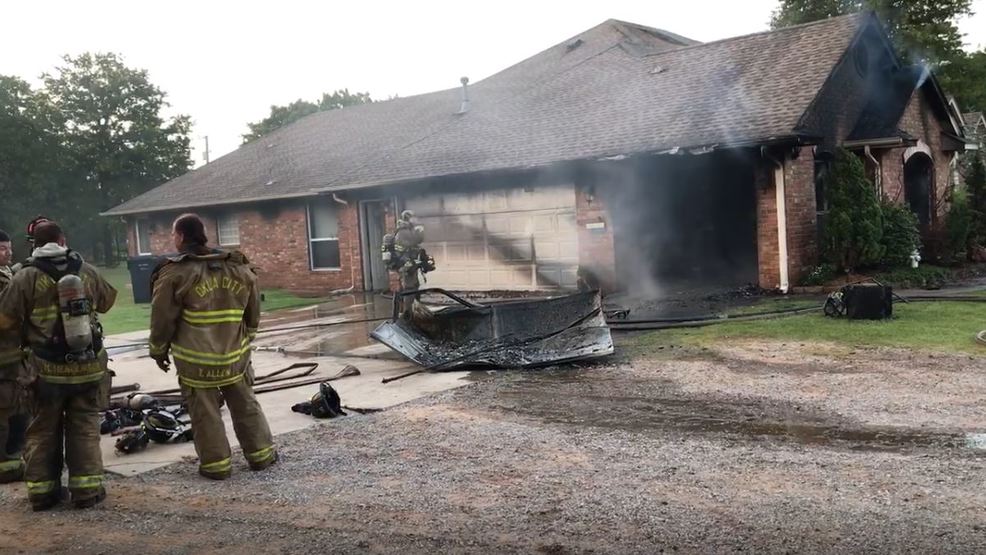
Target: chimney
465, 96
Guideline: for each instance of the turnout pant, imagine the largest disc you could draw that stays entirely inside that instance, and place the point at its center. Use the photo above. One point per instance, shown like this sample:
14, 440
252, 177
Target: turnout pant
65, 416
209, 432
13, 424
410, 281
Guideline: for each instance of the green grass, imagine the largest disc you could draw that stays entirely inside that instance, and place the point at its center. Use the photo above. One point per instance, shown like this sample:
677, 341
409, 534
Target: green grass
935, 326
782, 303
125, 316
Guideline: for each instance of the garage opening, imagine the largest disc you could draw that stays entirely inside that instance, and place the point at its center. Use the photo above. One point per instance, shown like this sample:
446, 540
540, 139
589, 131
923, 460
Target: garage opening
686, 222
519, 238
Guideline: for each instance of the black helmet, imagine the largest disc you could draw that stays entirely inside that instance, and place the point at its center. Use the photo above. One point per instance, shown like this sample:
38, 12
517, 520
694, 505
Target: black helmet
132, 441
324, 404
164, 427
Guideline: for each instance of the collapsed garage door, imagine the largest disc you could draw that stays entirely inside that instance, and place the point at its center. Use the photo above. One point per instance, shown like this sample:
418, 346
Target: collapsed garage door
505, 239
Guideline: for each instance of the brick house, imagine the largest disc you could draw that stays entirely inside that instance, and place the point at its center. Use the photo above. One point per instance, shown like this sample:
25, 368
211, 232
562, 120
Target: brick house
634, 155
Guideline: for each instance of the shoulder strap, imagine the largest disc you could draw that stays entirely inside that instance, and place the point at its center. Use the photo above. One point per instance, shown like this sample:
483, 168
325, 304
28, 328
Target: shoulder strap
73, 265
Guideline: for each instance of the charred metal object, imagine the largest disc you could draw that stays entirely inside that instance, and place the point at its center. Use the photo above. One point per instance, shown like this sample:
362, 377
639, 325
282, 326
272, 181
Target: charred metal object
511, 334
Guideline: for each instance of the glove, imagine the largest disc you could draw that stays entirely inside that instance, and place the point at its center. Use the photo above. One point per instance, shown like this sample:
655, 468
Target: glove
162, 361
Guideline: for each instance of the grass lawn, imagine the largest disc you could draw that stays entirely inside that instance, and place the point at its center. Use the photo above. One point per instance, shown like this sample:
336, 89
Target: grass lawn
937, 326
125, 316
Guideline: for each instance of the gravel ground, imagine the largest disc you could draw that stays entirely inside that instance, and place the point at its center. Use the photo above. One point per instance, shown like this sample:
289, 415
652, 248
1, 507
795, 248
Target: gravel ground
756, 447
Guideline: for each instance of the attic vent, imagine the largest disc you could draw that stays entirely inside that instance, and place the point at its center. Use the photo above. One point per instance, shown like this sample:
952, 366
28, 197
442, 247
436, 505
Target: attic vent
574, 44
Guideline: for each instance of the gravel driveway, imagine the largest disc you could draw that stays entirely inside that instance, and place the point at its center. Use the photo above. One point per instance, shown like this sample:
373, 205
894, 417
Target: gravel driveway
762, 447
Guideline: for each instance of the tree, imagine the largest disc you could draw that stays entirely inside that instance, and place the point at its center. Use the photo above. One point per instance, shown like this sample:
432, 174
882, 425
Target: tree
854, 229
30, 158
924, 30
284, 115
976, 185
108, 118
965, 77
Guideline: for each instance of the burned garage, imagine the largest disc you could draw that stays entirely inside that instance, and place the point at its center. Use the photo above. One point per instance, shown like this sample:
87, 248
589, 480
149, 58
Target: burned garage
625, 157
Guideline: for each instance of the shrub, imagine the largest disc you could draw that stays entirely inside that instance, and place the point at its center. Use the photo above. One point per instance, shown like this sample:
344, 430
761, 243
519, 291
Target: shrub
958, 224
855, 225
819, 275
923, 277
976, 184
901, 234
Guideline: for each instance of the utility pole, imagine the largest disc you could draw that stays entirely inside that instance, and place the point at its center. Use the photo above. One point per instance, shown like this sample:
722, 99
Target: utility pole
206, 149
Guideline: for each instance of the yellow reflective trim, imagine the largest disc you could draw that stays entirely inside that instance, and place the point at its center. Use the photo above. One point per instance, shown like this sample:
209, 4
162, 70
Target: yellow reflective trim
223, 320
73, 380
40, 488
260, 456
202, 384
85, 482
232, 356
218, 466
194, 359
12, 464
208, 313
11, 356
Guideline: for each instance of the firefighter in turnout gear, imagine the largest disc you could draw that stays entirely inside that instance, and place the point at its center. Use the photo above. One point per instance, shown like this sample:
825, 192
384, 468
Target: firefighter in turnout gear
53, 299
205, 312
402, 253
13, 406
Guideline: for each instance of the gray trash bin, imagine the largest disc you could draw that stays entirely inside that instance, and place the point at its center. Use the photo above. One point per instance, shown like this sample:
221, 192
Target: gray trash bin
141, 268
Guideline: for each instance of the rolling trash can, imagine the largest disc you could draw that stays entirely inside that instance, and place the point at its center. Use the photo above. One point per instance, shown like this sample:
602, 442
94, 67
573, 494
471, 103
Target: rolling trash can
141, 268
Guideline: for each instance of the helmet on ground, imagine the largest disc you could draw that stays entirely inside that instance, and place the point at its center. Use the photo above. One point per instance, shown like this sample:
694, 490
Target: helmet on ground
164, 427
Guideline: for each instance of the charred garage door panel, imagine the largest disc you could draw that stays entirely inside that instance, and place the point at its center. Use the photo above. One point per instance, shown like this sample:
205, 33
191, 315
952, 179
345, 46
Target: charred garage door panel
501, 239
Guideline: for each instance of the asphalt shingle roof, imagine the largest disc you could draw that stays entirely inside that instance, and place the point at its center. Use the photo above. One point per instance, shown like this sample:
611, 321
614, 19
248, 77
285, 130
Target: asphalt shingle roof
617, 88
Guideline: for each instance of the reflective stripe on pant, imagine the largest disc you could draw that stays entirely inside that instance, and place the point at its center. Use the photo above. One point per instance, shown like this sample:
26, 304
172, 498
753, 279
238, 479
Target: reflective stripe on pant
13, 423
72, 421
249, 424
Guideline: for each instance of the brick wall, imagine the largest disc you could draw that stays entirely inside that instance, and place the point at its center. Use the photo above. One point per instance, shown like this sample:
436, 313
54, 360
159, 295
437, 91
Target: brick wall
597, 255
802, 229
920, 122
274, 237
802, 234
767, 245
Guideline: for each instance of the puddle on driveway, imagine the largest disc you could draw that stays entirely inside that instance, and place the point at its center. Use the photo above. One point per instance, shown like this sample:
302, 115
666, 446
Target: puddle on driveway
608, 400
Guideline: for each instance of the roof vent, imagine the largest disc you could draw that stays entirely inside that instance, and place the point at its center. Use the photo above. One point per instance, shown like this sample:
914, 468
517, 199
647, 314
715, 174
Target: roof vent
574, 44
658, 69
465, 96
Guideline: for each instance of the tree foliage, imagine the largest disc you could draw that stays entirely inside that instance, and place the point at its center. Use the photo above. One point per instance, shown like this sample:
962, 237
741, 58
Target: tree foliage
901, 233
924, 30
976, 185
854, 228
92, 137
284, 115
964, 76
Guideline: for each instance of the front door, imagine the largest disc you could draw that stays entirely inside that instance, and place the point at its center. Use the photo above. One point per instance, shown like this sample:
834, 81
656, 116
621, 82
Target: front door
373, 218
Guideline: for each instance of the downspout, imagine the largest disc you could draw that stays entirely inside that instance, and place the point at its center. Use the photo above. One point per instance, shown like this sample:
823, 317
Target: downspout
781, 219
878, 175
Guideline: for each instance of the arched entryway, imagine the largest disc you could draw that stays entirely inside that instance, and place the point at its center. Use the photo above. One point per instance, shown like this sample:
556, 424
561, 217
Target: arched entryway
919, 175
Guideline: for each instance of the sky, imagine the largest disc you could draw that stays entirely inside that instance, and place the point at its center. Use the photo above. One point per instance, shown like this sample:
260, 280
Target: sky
225, 63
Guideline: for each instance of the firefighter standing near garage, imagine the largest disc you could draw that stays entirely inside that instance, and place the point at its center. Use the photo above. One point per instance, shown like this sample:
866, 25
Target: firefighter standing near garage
403, 253
54, 299
205, 311
13, 409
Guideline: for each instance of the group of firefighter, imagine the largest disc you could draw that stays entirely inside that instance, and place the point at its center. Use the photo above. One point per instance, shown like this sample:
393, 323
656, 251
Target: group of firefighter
205, 312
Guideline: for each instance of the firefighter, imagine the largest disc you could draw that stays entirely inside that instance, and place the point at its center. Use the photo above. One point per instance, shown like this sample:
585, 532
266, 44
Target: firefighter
54, 299
204, 312
13, 409
407, 257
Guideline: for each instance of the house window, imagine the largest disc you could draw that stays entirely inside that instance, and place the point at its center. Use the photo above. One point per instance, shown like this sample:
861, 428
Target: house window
229, 230
323, 236
143, 233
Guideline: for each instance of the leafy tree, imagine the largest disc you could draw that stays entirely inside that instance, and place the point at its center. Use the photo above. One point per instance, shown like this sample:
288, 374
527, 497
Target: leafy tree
284, 115
976, 184
925, 30
854, 229
30, 158
958, 225
964, 75
108, 118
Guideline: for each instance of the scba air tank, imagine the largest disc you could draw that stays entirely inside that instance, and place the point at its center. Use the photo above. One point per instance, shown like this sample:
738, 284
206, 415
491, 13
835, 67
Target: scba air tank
75, 308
